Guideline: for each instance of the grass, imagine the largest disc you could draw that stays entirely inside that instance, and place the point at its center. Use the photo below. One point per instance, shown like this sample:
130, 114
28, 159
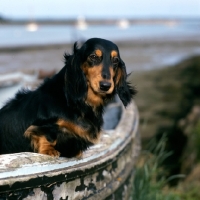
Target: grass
196, 139
150, 182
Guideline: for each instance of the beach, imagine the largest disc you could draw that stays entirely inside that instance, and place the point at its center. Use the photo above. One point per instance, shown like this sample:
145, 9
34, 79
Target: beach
138, 55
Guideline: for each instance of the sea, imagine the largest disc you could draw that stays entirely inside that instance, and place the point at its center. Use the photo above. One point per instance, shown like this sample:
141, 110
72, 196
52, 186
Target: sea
23, 35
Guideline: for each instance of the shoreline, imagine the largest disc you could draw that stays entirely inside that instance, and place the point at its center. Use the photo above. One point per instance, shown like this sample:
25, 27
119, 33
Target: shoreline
138, 54
193, 39
98, 21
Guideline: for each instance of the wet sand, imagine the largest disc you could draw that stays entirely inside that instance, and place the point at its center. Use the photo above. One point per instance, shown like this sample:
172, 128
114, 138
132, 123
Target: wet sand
138, 55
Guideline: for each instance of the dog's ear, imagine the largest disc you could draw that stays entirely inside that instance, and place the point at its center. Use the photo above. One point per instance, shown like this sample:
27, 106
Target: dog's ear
75, 81
123, 88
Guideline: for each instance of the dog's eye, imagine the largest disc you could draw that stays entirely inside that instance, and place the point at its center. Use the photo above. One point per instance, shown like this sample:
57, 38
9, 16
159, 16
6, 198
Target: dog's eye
115, 60
93, 57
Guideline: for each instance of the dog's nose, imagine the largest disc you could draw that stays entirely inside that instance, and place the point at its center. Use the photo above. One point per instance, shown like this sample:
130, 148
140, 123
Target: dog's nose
105, 86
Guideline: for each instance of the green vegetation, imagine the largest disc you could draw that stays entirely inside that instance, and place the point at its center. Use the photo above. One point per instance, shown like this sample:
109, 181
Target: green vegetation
196, 139
150, 181
169, 103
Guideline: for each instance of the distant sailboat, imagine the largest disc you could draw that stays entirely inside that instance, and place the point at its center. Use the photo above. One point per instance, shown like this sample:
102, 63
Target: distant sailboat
123, 24
171, 23
32, 26
81, 23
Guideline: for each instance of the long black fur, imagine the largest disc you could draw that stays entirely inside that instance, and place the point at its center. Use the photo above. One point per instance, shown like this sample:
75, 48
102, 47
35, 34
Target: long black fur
60, 97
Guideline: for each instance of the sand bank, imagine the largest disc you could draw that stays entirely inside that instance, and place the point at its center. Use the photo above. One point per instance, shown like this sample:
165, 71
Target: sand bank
138, 55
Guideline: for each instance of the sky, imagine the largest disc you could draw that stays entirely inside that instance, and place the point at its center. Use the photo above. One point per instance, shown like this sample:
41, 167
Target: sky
62, 9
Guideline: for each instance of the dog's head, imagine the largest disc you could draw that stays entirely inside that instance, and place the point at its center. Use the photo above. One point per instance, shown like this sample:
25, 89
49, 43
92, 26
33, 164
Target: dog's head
95, 72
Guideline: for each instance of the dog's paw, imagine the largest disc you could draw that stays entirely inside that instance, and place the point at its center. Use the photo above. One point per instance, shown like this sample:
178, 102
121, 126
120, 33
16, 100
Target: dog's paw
79, 155
50, 152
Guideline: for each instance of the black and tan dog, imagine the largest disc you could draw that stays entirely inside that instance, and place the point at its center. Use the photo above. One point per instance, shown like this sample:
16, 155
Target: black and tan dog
63, 117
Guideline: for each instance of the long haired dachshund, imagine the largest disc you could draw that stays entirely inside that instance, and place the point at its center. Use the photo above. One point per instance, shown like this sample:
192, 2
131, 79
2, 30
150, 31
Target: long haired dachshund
63, 116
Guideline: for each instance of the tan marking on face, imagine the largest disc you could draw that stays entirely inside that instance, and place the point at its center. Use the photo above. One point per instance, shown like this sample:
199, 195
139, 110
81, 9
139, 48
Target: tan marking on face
93, 99
94, 76
112, 74
98, 53
114, 54
119, 76
40, 144
74, 129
